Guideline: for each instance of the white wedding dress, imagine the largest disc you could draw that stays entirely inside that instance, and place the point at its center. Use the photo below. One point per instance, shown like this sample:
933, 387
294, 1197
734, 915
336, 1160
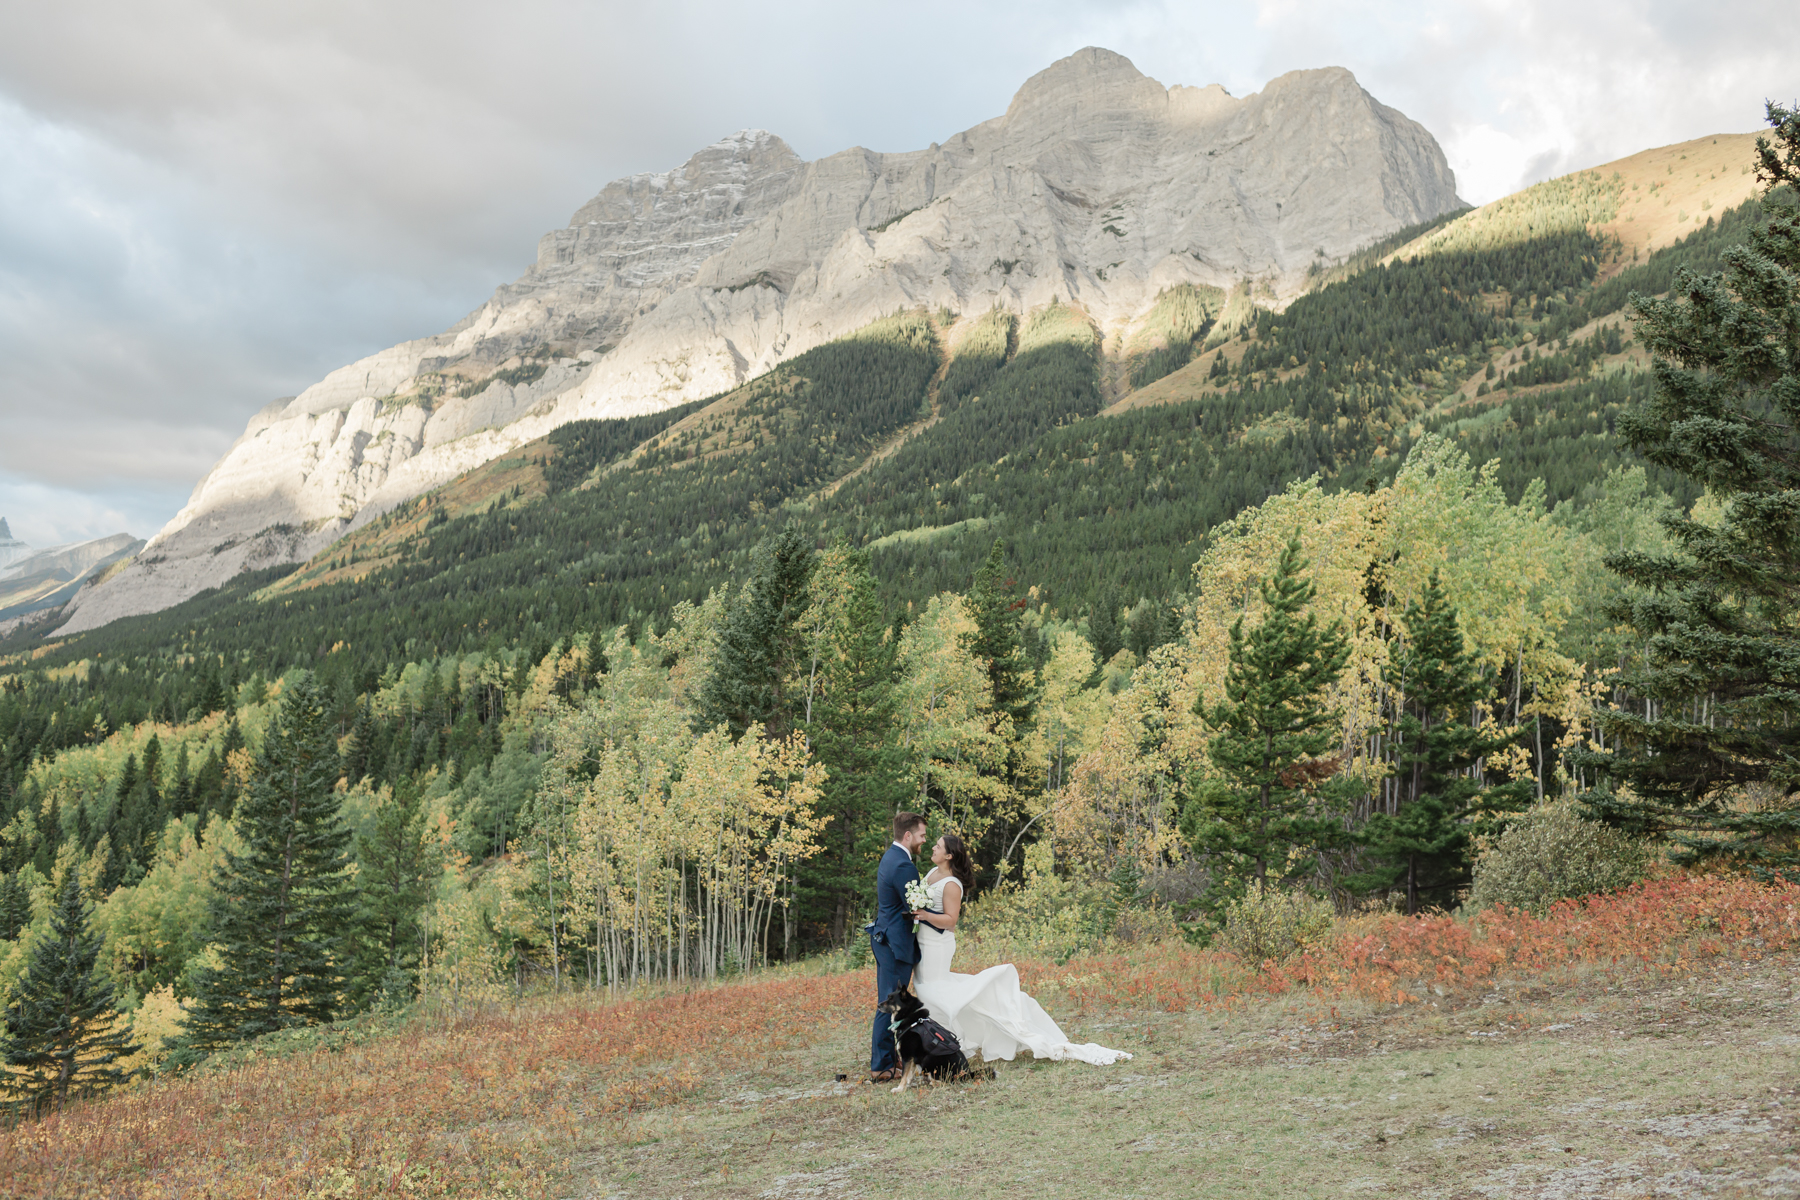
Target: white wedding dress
988, 1013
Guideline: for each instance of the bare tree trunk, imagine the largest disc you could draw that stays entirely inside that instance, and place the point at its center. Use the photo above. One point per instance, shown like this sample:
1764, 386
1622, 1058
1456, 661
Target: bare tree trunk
555, 940
1540, 758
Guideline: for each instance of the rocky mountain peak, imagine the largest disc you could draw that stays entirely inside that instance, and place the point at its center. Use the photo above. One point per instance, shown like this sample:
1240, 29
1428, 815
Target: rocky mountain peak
5, 532
1088, 82
1098, 187
727, 170
627, 248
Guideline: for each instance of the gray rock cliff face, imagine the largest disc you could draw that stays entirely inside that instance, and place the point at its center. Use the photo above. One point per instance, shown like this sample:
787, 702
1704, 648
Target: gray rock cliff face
1098, 187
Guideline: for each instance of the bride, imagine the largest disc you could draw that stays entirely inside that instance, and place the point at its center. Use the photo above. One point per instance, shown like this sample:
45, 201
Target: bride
987, 1012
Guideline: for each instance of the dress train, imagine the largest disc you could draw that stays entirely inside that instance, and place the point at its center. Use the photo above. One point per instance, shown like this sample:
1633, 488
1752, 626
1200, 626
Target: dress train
988, 1012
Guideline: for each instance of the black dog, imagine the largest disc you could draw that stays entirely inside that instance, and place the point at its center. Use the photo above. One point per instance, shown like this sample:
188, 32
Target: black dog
924, 1045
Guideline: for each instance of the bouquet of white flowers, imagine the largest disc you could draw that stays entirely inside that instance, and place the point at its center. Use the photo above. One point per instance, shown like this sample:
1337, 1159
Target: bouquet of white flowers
918, 897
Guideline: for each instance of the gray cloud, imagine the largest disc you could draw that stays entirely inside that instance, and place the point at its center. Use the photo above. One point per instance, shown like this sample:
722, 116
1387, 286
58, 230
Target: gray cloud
1522, 90
204, 205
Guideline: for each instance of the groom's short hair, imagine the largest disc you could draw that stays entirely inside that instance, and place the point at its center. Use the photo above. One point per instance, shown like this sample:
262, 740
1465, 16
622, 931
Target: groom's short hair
905, 823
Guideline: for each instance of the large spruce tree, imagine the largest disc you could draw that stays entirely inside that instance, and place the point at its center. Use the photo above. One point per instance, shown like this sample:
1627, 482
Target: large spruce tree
852, 729
1421, 840
63, 1036
282, 910
759, 643
1707, 753
1269, 808
1103, 625
1013, 685
396, 869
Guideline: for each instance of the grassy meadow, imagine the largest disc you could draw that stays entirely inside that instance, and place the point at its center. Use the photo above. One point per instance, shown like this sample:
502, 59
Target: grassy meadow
1636, 1044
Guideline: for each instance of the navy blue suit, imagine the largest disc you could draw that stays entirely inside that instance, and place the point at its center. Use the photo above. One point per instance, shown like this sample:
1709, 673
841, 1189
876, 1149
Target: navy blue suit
896, 950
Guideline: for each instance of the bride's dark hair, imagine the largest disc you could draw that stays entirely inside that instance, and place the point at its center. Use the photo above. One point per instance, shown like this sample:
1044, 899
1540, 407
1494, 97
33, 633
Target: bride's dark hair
960, 866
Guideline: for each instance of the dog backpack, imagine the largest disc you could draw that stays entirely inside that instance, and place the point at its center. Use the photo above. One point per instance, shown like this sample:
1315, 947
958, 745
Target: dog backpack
937, 1041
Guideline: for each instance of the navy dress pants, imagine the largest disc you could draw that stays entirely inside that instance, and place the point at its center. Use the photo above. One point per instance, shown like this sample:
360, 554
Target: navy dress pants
890, 973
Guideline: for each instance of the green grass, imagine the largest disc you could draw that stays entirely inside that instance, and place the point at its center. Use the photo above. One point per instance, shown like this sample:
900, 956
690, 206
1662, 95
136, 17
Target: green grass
1581, 1087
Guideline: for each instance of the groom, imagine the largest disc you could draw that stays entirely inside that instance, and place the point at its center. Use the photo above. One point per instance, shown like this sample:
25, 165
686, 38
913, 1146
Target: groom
892, 936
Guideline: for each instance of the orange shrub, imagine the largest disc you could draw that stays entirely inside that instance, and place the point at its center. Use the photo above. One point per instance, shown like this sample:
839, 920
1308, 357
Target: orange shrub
475, 1105
1663, 924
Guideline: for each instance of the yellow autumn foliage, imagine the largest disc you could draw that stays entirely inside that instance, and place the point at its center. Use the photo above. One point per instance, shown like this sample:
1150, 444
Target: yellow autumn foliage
1370, 555
674, 850
954, 743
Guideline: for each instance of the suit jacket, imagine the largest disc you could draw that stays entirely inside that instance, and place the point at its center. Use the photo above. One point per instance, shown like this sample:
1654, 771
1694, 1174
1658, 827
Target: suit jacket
893, 925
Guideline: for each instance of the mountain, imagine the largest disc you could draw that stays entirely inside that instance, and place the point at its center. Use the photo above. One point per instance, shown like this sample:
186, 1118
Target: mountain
1102, 456
38, 580
1099, 189
11, 548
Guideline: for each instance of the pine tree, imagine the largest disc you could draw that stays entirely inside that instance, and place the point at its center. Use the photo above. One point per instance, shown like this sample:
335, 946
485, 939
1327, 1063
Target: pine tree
15, 906
209, 784
151, 788
396, 870
50, 835
281, 908
84, 827
1709, 753
1268, 811
759, 650
995, 644
62, 1037
212, 693
128, 784
996, 641
134, 813
181, 796
1423, 839
228, 786
1151, 626
1103, 626
357, 760
852, 732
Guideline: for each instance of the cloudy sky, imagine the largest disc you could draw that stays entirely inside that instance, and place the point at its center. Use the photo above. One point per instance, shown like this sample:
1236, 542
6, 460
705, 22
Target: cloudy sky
206, 204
